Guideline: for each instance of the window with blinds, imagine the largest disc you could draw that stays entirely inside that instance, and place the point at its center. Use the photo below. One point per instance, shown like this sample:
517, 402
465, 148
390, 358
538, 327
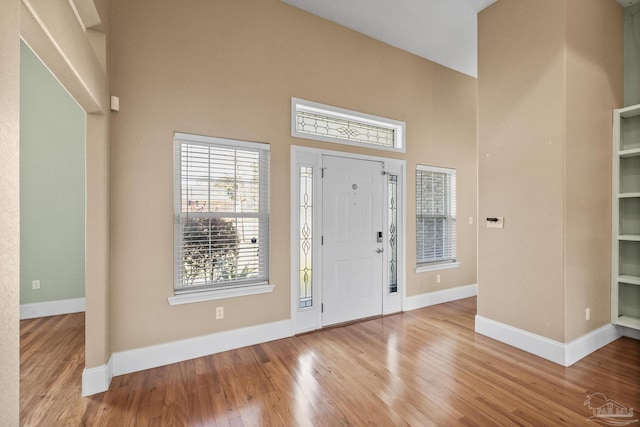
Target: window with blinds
221, 213
435, 215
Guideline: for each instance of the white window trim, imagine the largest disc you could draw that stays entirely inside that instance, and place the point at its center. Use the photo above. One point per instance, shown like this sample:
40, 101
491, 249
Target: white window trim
437, 266
189, 296
399, 127
222, 293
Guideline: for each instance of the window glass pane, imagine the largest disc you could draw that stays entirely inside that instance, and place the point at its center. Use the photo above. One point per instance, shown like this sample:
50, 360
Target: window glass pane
331, 124
393, 233
339, 128
435, 215
221, 235
306, 236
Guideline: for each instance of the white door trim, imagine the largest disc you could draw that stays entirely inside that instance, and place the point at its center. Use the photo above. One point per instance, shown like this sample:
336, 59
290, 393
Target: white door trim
308, 319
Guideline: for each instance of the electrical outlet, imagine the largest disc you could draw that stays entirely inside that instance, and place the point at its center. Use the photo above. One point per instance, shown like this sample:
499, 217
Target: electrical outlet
470, 220
219, 313
587, 314
35, 284
437, 278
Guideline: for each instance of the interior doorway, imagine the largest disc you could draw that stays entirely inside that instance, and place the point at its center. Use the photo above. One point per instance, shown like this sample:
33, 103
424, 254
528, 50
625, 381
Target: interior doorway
52, 193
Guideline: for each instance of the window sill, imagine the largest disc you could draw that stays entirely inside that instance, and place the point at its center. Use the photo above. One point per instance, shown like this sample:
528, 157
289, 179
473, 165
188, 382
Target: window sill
213, 294
433, 267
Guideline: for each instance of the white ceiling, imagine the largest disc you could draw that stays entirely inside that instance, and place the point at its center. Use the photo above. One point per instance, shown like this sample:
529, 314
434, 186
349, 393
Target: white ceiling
442, 31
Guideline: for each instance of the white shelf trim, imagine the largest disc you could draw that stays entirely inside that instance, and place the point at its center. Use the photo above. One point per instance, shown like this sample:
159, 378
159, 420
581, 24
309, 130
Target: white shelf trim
629, 237
632, 152
628, 195
629, 321
628, 112
631, 280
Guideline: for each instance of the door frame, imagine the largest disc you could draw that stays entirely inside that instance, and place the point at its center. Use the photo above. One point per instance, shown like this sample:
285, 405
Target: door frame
310, 318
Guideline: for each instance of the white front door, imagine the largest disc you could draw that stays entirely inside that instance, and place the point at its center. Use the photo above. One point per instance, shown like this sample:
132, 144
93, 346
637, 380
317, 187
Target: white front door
352, 218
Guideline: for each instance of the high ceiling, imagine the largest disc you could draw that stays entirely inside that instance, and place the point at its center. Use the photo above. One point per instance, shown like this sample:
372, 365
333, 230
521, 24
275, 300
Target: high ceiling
443, 31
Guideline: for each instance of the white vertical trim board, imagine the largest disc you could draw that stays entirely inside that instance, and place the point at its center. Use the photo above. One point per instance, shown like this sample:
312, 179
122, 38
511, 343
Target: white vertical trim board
439, 297
52, 308
97, 380
562, 354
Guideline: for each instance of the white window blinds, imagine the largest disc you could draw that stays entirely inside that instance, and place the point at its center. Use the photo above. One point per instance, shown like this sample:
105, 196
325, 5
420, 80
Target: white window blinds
221, 212
435, 215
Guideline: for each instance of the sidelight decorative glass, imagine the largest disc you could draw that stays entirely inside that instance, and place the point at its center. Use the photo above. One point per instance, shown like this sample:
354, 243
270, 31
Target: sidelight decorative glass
306, 236
393, 233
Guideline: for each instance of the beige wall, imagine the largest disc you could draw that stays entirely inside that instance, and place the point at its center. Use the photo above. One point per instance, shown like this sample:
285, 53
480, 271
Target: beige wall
229, 69
594, 88
549, 74
520, 160
9, 214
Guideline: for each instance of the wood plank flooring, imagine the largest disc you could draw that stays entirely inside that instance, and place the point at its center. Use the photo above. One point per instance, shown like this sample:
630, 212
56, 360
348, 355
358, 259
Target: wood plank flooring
422, 368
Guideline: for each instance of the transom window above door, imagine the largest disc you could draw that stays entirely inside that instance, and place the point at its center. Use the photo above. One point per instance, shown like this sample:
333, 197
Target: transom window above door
321, 122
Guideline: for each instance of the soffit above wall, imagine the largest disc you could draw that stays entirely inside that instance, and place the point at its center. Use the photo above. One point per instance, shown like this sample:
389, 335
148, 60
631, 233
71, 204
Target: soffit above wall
444, 32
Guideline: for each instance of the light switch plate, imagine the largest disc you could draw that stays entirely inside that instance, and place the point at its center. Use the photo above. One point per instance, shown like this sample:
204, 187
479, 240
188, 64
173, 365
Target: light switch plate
495, 222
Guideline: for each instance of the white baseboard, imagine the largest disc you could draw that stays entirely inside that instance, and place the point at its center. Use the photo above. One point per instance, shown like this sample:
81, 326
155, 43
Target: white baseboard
631, 333
562, 354
590, 342
139, 359
96, 380
439, 297
531, 343
52, 308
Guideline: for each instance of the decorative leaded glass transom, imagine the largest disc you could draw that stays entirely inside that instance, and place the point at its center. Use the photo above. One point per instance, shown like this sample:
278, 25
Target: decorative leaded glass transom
326, 123
338, 128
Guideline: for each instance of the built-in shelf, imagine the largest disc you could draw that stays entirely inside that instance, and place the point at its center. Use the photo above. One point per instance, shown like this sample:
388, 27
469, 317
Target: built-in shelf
631, 280
633, 152
625, 259
628, 195
629, 237
629, 112
629, 321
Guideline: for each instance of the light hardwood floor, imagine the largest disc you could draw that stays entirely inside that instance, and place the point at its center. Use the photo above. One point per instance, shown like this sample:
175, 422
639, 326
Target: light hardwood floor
423, 368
